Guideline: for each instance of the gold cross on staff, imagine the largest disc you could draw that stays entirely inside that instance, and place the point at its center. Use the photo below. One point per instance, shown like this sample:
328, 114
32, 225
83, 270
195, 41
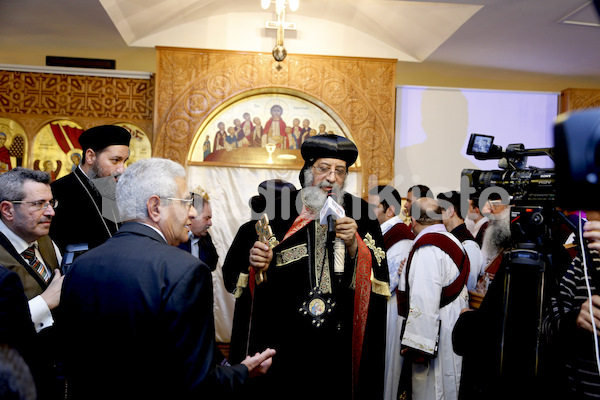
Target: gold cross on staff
265, 235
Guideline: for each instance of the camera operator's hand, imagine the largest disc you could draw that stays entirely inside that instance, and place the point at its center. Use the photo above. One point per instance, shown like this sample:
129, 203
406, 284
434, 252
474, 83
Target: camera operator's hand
591, 232
584, 319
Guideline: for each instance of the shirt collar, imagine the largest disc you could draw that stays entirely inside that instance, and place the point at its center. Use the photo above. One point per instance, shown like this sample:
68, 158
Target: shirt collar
387, 225
431, 228
193, 238
17, 241
157, 231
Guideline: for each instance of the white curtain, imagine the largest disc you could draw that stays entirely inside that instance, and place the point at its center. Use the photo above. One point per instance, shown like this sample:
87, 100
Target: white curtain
229, 190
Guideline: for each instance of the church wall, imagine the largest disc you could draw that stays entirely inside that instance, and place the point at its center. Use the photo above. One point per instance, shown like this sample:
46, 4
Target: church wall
191, 84
30, 100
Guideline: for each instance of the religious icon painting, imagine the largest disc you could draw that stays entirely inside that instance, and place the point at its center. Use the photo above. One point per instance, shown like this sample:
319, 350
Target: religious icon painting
56, 148
13, 145
316, 307
263, 129
139, 146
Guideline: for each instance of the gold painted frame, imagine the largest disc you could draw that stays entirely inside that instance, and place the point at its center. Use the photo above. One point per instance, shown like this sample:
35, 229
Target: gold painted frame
192, 83
241, 132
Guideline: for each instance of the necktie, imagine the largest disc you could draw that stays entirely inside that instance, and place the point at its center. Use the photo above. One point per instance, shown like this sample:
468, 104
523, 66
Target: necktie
29, 255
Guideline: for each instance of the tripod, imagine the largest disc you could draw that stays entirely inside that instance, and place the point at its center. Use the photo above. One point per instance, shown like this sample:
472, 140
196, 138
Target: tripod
528, 280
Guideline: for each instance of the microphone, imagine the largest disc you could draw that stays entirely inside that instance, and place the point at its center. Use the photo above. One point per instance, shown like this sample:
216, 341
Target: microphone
337, 249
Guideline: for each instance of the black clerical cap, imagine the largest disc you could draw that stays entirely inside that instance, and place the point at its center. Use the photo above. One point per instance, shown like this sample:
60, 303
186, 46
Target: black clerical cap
99, 137
328, 146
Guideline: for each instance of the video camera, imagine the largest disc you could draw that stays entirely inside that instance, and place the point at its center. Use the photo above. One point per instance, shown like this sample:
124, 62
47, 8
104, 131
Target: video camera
525, 185
528, 259
577, 144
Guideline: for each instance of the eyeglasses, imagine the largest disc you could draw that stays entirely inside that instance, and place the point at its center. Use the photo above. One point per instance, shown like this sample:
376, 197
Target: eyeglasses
325, 171
185, 202
38, 205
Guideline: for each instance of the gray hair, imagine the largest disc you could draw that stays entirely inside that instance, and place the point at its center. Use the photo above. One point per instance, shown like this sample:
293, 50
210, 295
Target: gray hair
11, 182
143, 179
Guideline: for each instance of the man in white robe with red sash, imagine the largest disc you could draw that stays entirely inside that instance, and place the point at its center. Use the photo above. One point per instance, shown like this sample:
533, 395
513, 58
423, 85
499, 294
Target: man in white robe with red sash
326, 319
397, 239
437, 272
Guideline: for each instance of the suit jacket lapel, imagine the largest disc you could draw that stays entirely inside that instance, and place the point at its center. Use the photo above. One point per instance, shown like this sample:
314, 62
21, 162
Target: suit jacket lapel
4, 242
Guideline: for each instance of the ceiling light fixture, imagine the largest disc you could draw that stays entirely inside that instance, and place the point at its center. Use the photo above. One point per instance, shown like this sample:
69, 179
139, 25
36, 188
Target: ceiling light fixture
279, 52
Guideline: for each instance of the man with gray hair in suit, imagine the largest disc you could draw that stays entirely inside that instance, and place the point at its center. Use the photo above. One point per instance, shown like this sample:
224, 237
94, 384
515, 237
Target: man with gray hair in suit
156, 297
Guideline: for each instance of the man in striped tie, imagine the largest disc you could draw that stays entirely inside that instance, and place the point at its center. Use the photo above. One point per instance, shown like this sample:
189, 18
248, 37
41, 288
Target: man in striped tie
26, 210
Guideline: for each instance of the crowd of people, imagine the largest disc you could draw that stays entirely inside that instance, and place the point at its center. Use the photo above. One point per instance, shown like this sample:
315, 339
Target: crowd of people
336, 296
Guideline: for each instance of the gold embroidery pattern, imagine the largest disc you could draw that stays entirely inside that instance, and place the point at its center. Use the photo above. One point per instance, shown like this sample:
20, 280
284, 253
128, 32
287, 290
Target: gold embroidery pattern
291, 255
241, 284
323, 279
379, 287
377, 251
413, 314
419, 346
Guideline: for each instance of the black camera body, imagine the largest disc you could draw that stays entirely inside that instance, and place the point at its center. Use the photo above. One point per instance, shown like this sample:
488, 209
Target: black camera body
527, 261
526, 186
577, 144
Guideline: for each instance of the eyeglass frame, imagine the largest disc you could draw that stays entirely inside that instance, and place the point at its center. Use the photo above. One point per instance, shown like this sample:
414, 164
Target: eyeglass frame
39, 205
188, 202
337, 172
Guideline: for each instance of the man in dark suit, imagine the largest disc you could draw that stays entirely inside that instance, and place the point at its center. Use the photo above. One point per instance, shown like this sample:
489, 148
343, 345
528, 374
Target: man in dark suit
138, 311
26, 210
200, 244
86, 215
16, 337
16, 327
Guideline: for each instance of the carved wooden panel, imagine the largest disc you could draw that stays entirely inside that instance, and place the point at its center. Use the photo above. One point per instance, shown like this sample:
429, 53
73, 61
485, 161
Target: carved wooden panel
33, 100
191, 84
574, 99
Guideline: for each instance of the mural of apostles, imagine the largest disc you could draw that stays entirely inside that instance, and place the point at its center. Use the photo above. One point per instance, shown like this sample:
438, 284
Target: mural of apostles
250, 132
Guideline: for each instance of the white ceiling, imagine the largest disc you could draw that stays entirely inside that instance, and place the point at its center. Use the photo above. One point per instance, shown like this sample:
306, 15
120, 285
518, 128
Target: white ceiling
519, 35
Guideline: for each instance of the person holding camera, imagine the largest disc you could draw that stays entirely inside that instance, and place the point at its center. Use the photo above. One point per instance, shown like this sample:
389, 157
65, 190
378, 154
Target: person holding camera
574, 318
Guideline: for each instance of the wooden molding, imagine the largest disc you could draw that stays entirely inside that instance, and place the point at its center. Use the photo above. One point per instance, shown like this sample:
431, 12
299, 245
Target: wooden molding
575, 99
191, 84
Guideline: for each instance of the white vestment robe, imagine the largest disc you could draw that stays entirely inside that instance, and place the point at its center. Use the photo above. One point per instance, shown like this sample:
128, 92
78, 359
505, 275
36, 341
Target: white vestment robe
431, 269
393, 359
475, 261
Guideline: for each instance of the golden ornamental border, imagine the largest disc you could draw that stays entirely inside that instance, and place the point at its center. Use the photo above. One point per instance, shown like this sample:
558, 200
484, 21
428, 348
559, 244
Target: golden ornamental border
359, 91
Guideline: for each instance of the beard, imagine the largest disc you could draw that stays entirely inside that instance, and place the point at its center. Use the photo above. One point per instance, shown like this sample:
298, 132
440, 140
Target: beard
314, 197
96, 171
497, 235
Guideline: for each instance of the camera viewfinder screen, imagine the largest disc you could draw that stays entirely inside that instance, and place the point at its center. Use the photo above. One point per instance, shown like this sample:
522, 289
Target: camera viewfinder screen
482, 144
